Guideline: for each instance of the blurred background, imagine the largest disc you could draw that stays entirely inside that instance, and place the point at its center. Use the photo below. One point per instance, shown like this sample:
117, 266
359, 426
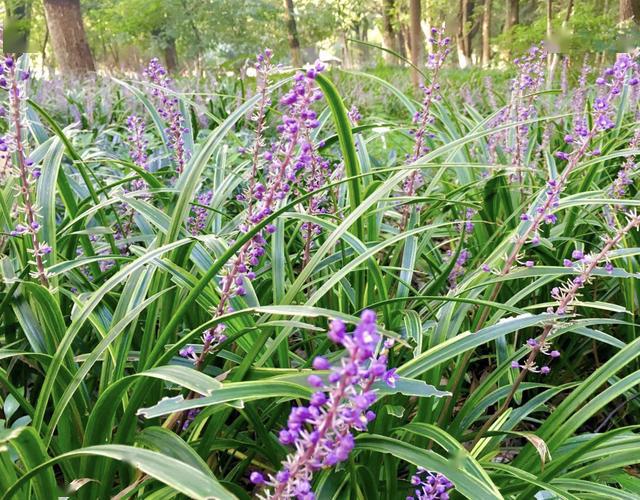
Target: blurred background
193, 37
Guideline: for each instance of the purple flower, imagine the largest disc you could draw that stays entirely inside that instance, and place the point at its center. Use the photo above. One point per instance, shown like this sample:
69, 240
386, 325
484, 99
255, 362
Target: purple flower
197, 222
321, 363
14, 162
458, 268
290, 153
566, 294
169, 110
430, 486
190, 417
424, 118
322, 433
137, 142
391, 378
618, 188
354, 115
577, 255
256, 478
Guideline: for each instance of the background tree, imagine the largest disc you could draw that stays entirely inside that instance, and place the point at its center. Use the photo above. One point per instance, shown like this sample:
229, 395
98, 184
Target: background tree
71, 50
630, 10
512, 14
416, 37
465, 32
389, 35
124, 34
292, 33
486, 33
17, 26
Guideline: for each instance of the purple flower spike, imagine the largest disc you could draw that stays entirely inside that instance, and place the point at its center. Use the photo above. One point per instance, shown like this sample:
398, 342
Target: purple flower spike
137, 142
15, 163
322, 433
430, 486
424, 118
169, 110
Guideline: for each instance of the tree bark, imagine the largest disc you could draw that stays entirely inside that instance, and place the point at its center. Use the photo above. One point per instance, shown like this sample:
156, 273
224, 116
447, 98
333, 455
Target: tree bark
486, 34
630, 9
549, 35
403, 41
465, 32
415, 35
171, 55
292, 33
68, 38
512, 14
389, 38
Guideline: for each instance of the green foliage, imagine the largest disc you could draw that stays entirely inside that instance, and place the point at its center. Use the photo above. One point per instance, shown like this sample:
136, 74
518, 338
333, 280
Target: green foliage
90, 377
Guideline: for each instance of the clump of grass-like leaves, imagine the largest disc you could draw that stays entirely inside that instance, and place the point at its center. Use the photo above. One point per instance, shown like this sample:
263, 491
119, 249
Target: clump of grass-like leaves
292, 300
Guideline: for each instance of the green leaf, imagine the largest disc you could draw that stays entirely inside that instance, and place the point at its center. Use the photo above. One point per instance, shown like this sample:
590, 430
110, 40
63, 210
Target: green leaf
182, 477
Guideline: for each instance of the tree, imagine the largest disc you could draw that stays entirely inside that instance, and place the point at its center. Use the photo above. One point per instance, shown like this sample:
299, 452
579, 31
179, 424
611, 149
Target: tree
630, 10
389, 37
512, 16
168, 44
415, 35
18, 26
486, 33
70, 46
292, 33
465, 32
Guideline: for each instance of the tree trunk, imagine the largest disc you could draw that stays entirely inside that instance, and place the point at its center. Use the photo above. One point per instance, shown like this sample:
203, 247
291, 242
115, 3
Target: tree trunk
292, 33
171, 55
512, 14
415, 35
486, 34
465, 12
389, 38
17, 27
403, 41
630, 9
549, 35
556, 57
69, 41
43, 52
460, 36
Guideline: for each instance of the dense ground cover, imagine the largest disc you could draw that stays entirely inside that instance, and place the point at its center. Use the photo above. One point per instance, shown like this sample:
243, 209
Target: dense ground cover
260, 289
